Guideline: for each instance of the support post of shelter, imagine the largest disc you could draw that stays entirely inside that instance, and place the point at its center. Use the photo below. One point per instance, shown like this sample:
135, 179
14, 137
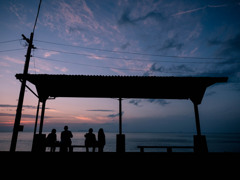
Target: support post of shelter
200, 143
35, 126
120, 145
197, 119
42, 116
36, 121
40, 139
120, 116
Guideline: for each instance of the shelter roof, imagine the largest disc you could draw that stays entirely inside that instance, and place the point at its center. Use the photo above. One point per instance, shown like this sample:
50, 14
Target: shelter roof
150, 87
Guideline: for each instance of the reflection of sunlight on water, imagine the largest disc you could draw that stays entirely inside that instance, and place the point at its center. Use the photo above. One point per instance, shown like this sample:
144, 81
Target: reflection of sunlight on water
216, 142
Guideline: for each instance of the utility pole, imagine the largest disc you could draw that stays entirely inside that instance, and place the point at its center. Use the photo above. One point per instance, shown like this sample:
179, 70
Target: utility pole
21, 95
17, 127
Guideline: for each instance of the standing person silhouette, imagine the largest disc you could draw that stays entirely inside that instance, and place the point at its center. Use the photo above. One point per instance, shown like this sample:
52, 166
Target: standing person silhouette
52, 140
90, 140
66, 142
101, 140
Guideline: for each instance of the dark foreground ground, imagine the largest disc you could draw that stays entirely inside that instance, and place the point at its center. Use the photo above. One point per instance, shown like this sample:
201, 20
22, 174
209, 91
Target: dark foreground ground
120, 165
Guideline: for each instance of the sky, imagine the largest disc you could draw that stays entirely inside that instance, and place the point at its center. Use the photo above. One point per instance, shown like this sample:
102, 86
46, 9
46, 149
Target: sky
199, 38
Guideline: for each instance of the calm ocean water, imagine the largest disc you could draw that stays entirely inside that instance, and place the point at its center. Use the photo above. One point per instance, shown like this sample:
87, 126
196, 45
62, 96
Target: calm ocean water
216, 142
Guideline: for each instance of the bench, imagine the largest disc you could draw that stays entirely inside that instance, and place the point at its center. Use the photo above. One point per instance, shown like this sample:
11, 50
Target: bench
169, 148
71, 147
76, 146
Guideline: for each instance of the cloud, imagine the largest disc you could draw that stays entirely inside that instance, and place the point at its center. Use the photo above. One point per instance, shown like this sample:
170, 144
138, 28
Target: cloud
96, 119
188, 11
14, 106
101, 110
72, 19
125, 18
83, 118
171, 44
61, 69
23, 115
114, 115
172, 69
136, 102
43, 66
19, 11
198, 9
228, 48
124, 46
161, 102
50, 53
24, 106
14, 60
210, 93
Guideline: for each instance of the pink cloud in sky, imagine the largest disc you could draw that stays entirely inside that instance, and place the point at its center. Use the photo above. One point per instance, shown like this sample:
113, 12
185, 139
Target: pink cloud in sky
13, 60
50, 53
61, 69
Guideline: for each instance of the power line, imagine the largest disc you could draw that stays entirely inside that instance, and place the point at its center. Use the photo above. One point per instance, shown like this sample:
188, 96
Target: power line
12, 50
81, 64
125, 69
37, 16
135, 53
132, 59
2, 42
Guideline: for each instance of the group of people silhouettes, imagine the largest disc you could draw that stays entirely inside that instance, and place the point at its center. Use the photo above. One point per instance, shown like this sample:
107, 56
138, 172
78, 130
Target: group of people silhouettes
66, 142
91, 141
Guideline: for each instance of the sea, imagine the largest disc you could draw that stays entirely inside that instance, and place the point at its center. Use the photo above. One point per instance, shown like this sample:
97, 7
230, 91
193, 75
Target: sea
217, 142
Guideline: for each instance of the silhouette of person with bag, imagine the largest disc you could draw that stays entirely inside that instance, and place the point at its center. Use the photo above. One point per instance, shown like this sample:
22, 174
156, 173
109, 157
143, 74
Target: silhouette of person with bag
90, 140
66, 141
101, 140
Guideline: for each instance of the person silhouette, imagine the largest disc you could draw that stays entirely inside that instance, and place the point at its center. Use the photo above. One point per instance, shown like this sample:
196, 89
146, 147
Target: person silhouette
66, 142
101, 140
52, 140
90, 140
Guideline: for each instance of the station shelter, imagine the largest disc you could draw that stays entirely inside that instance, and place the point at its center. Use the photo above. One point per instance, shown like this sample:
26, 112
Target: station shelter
135, 87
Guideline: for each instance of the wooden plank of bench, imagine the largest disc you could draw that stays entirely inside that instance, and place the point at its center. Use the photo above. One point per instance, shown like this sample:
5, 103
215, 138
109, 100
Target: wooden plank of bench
80, 146
169, 148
